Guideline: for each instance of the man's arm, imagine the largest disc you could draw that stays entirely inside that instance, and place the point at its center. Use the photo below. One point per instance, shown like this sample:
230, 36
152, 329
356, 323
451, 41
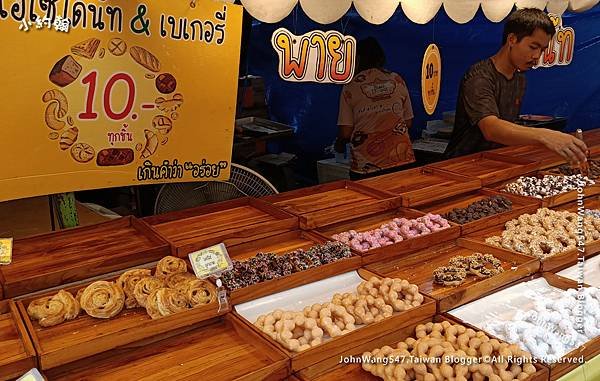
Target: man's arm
344, 135
507, 133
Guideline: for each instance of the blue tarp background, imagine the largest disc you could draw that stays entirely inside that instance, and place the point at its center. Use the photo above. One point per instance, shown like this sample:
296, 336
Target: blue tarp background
572, 91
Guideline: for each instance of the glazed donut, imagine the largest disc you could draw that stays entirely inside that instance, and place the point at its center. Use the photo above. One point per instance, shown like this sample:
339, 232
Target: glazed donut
449, 276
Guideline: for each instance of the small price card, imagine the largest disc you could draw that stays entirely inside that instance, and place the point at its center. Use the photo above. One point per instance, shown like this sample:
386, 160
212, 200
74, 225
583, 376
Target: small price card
6, 251
210, 261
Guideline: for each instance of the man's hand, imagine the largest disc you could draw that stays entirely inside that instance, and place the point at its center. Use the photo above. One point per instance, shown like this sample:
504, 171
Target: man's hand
568, 146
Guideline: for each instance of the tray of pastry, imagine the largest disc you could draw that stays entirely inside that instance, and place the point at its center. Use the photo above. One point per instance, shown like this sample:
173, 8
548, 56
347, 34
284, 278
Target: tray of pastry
17, 355
569, 170
454, 274
409, 353
52, 259
223, 350
549, 235
333, 202
282, 262
550, 189
480, 209
540, 154
423, 185
589, 269
390, 234
230, 222
487, 166
84, 320
540, 314
331, 316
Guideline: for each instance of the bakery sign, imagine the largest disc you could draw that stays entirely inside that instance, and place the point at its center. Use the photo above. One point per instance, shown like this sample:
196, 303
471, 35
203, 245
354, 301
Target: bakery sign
317, 56
561, 47
101, 94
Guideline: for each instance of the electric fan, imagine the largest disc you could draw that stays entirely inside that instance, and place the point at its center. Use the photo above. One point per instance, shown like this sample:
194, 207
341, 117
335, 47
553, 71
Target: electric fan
242, 182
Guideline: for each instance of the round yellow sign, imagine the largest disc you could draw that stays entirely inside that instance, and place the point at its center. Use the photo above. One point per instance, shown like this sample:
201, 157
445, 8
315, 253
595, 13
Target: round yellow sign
431, 77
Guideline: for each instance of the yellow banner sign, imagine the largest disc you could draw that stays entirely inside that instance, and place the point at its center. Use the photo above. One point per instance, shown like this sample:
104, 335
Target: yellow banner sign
101, 94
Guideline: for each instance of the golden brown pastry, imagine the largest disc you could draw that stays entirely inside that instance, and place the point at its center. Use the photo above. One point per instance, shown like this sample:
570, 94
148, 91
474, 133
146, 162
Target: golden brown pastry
86, 49
68, 138
200, 292
170, 265
128, 280
72, 307
145, 287
179, 281
103, 299
53, 310
164, 302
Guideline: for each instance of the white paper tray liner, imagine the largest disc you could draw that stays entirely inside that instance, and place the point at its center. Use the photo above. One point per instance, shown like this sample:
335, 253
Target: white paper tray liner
298, 298
591, 272
503, 304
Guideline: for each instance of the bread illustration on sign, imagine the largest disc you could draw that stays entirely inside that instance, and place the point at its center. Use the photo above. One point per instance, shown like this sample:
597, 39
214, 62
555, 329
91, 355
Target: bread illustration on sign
68, 138
51, 117
117, 47
145, 58
166, 83
169, 105
151, 144
86, 49
58, 96
65, 71
162, 124
82, 152
114, 156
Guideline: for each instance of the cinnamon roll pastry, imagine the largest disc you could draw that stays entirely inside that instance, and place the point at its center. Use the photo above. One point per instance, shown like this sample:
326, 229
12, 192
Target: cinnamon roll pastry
47, 311
145, 287
179, 281
200, 292
72, 307
103, 299
128, 280
170, 265
164, 302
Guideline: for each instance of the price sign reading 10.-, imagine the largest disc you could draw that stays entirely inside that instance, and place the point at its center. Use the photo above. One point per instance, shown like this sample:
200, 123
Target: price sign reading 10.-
110, 104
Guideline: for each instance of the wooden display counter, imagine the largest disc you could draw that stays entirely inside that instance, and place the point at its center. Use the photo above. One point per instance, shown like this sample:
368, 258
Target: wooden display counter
282, 244
476, 241
53, 259
558, 369
396, 249
331, 369
417, 268
86, 336
423, 185
551, 201
333, 202
340, 345
231, 222
489, 167
17, 355
520, 205
539, 154
223, 350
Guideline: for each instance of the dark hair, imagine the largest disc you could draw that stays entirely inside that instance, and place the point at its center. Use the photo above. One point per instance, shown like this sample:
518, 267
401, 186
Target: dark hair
369, 55
525, 21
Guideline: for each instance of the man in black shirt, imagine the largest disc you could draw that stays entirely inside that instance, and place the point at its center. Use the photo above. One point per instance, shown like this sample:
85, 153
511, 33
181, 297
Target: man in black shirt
490, 95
